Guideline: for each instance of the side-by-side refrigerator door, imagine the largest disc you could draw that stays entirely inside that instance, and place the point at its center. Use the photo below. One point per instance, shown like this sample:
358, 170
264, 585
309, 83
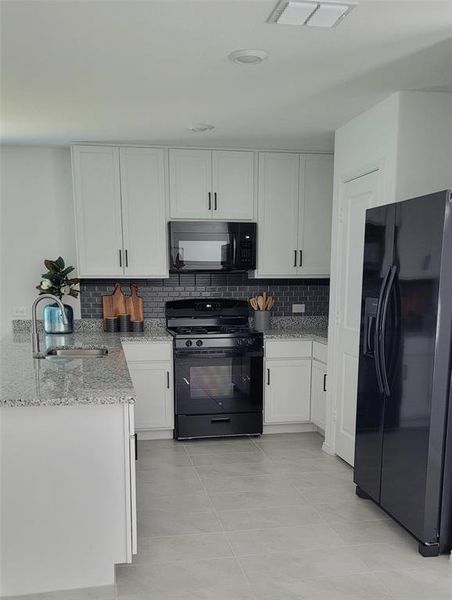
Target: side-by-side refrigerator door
378, 260
409, 336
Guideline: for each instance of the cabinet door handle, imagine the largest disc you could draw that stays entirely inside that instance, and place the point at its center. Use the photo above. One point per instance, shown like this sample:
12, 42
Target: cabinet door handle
210, 200
168, 379
127, 257
215, 201
324, 382
268, 376
301, 257
136, 445
120, 257
294, 258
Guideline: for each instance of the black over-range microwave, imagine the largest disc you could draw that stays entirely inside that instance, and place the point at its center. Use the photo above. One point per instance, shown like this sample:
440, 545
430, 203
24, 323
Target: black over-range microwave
211, 246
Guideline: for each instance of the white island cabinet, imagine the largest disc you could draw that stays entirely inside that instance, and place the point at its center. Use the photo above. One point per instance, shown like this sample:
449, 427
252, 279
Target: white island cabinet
67, 496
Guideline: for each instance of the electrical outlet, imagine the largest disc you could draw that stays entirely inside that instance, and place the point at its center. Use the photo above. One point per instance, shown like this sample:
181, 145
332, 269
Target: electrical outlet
19, 311
298, 308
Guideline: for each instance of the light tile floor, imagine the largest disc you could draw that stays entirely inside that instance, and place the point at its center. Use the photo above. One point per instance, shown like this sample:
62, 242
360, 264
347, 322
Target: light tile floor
272, 518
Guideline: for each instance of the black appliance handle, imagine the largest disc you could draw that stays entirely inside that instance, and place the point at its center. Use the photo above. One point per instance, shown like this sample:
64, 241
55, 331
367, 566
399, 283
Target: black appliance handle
234, 250
220, 419
382, 333
376, 346
229, 353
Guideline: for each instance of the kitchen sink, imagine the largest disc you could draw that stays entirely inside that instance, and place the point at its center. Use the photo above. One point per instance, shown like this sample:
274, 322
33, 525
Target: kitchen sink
76, 353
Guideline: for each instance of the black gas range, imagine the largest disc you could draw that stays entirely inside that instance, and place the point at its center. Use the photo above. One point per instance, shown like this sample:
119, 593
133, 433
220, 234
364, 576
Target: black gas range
218, 368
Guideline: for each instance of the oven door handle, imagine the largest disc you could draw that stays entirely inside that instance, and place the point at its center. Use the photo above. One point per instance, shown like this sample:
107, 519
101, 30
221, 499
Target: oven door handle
220, 419
210, 355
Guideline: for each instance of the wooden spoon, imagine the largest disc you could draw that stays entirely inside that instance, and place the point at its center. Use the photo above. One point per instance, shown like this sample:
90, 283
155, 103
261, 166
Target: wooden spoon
261, 303
253, 303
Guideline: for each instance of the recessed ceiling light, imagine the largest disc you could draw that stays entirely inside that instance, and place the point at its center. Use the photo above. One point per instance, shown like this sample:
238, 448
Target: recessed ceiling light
201, 127
248, 57
310, 13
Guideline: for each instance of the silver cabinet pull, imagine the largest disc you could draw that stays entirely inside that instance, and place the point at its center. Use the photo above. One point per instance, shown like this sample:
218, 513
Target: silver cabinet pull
294, 258
127, 257
268, 376
215, 201
301, 257
120, 257
210, 200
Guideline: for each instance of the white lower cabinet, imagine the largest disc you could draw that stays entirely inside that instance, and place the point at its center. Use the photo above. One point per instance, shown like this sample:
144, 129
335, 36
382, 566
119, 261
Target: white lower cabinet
295, 379
287, 390
318, 394
151, 370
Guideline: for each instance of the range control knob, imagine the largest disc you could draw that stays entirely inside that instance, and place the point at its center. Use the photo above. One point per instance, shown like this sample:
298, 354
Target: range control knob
189, 343
250, 341
199, 342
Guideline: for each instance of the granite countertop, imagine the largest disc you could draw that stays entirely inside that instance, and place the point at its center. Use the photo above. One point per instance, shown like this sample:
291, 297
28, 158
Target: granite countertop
26, 381
316, 334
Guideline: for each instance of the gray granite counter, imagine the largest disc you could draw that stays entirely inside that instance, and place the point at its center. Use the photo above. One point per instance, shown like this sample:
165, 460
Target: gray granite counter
26, 381
313, 334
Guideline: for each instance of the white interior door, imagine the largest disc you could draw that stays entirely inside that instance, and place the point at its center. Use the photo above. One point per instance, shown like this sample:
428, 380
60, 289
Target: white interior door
354, 198
233, 185
143, 209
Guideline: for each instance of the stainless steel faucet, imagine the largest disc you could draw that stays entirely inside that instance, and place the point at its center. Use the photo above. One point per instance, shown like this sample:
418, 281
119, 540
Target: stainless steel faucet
34, 327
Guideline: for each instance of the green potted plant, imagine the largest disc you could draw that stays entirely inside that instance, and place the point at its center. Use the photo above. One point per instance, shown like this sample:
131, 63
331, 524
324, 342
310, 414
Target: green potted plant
58, 283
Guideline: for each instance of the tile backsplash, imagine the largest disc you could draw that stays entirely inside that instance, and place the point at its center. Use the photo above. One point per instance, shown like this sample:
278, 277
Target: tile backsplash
314, 293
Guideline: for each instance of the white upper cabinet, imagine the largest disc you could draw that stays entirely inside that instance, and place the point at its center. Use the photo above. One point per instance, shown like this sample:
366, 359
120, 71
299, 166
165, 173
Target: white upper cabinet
97, 199
207, 184
233, 185
190, 184
120, 201
144, 212
278, 214
314, 230
294, 215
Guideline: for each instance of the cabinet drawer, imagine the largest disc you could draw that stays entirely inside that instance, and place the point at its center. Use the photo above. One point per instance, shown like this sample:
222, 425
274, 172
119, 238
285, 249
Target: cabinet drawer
319, 351
288, 349
148, 351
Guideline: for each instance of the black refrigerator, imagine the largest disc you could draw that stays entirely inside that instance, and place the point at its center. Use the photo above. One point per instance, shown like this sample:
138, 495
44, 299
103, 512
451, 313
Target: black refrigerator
403, 452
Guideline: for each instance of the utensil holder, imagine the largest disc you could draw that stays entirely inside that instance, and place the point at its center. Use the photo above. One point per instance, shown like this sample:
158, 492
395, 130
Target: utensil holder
262, 320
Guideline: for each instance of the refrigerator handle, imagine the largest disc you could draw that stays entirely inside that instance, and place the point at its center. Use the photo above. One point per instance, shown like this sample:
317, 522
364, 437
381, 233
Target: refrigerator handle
377, 332
381, 337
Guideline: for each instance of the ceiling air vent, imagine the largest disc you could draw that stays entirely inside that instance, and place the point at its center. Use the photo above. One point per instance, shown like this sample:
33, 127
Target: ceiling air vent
311, 14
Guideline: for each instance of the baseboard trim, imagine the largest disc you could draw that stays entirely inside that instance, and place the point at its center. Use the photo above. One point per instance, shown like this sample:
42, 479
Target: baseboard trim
327, 449
290, 428
158, 434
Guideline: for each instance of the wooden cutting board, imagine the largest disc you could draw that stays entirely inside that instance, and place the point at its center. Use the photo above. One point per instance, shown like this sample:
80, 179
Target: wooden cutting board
114, 304
134, 304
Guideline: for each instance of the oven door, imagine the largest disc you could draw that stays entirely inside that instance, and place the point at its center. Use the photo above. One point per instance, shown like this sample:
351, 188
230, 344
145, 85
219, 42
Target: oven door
218, 381
198, 246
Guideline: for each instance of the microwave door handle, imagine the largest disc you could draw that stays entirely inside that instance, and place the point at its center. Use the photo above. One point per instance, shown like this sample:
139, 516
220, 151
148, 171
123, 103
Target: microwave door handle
234, 251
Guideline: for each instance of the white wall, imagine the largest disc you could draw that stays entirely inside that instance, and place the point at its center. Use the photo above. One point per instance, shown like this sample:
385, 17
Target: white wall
424, 161
37, 222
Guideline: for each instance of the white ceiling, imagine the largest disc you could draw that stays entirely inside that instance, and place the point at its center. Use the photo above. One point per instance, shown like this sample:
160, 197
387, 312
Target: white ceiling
142, 71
